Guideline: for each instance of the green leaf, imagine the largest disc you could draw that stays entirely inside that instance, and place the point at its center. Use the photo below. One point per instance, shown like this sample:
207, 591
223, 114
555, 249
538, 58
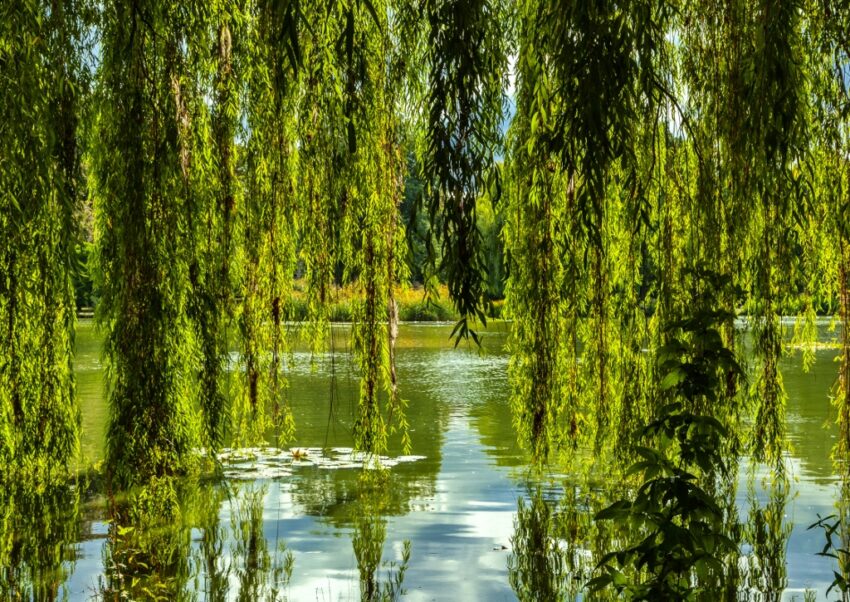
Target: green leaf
672, 379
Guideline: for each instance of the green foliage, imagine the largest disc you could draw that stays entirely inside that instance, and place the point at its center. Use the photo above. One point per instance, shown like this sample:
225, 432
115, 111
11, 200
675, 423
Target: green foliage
678, 526
142, 181
578, 209
830, 526
695, 366
84, 291
836, 547
230, 147
267, 214
416, 223
41, 84
467, 60
217, 194
491, 224
427, 310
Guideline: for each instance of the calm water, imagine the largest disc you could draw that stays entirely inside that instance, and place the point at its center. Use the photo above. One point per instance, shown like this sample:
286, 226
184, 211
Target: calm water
328, 534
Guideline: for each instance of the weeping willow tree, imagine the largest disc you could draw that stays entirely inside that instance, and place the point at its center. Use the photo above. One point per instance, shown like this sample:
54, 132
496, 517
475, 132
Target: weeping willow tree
776, 121
577, 209
683, 171
660, 154
828, 64
707, 243
143, 180
194, 220
217, 64
268, 219
40, 86
372, 235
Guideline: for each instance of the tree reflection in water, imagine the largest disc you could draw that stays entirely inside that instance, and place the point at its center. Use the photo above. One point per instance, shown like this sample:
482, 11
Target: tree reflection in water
38, 527
147, 551
767, 532
150, 553
548, 561
263, 572
211, 559
370, 532
557, 547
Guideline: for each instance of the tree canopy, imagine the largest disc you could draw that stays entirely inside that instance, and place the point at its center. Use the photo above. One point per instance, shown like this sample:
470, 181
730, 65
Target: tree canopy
645, 164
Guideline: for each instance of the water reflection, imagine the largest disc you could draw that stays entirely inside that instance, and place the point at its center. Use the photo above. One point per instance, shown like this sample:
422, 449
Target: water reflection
548, 560
767, 533
151, 554
38, 527
558, 547
370, 532
147, 551
263, 572
726, 491
211, 559
458, 506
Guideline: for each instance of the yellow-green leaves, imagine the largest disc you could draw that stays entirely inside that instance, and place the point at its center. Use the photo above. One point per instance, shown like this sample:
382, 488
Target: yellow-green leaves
39, 196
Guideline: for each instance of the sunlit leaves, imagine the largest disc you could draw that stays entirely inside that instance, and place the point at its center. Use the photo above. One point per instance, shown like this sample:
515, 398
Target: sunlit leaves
238, 145
143, 165
40, 91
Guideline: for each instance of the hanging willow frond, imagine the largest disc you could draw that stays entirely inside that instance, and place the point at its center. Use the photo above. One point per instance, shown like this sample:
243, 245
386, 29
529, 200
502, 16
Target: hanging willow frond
468, 55
145, 206
40, 91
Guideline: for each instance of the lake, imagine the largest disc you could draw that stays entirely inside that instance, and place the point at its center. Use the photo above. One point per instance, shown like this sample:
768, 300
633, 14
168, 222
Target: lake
462, 518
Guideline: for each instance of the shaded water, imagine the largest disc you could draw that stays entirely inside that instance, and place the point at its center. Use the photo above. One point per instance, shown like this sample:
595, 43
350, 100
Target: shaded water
447, 526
